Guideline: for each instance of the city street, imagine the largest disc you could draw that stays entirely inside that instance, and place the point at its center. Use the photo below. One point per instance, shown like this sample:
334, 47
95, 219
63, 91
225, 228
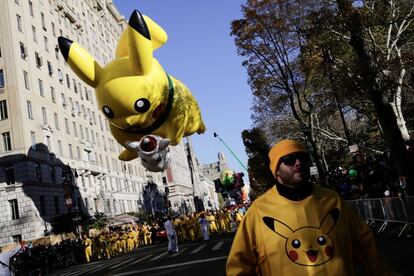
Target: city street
197, 258
209, 258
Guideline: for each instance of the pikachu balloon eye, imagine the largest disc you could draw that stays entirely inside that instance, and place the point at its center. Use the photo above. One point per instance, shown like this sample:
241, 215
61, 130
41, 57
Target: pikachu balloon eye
321, 240
296, 243
142, 105
108, 112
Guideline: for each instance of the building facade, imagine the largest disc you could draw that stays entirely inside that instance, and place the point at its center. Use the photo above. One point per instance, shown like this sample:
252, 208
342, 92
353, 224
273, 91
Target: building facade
212, 171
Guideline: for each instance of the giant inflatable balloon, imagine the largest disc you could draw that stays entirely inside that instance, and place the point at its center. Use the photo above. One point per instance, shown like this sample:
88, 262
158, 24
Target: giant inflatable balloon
135, 93
227, 178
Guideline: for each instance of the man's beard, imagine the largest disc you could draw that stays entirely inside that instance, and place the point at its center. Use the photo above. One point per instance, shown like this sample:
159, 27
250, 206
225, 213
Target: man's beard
291, 181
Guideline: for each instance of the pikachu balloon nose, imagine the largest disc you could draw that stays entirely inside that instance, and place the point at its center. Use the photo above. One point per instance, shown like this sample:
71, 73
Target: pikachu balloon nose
133, 91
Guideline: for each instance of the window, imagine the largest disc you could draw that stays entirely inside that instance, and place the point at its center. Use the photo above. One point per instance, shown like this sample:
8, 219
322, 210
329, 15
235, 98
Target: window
44, 115
17, 238
75, 129
42, 205
23, 51
63, 98
53, 29
1, 78
33, 138
46, 44
67, 126
52, 94
42, 18
49, 68
56, 201
31, 8
60, 75
78, 154
26, 80
55, 115
70, 151
39, 60
60, 147
67, 81
29, 110
9, 173
19, 23
34, 34
81, 131
3, 110
41, 89
48, 143
14, 209
6, 141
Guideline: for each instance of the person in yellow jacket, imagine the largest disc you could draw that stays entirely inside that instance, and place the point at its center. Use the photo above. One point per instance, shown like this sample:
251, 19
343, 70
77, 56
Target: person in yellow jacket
87, 242
222, 221
147, 233
212, 222
296, 228
192, 227
238, 217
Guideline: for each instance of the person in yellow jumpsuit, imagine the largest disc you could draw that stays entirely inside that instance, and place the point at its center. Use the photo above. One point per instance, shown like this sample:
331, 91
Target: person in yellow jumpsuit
147, 233
238, 217
212, 223
192, 227
186, 227
221, 220
130, 241
87, 243
227, 219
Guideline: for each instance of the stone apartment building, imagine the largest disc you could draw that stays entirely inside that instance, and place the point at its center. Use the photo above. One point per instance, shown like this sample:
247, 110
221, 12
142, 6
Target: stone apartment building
56, 152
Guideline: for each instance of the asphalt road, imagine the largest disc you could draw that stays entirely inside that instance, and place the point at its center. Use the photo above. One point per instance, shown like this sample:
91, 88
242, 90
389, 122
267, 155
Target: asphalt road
209, 258
194, 258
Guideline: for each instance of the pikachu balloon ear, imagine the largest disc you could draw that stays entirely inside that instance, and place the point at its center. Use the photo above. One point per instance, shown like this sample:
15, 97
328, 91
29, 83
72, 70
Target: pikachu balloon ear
80, 61
158, 37
139, 45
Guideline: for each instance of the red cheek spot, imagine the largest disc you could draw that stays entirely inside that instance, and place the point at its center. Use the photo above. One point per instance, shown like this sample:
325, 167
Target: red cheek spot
329, 251
293, 255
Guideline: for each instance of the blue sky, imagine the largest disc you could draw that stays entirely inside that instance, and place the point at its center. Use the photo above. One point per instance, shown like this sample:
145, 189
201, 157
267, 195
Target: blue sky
201, 53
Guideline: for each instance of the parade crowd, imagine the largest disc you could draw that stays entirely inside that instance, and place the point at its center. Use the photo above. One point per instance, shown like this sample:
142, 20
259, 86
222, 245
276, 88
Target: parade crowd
42, 259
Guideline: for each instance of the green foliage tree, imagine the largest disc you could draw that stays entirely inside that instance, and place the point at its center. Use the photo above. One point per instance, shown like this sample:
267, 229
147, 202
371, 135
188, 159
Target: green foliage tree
257, 149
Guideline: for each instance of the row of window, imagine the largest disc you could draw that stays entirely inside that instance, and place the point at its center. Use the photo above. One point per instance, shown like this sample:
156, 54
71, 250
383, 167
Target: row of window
43, 210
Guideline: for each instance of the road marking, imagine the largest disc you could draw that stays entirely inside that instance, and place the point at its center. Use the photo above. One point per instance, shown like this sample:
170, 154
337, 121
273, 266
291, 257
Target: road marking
198, 249
217, 246
159, 256
179, 252
135, 272
139, 260
121, 263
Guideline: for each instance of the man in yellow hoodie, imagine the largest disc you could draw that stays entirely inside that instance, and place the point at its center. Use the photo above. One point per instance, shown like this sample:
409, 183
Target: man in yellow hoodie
296, 228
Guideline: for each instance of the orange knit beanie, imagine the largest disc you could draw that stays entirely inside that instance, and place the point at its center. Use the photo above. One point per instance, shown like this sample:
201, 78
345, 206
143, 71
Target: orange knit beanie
283, 148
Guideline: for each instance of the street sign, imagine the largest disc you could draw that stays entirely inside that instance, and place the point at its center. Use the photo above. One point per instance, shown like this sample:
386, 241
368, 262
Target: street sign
313, 170
353, 148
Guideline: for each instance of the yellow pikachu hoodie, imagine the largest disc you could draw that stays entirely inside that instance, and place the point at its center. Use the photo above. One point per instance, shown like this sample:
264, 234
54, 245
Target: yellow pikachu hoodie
318, 235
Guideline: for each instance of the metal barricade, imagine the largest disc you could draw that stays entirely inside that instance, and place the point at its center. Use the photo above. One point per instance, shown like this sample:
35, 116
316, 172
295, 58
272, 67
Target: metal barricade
385, 210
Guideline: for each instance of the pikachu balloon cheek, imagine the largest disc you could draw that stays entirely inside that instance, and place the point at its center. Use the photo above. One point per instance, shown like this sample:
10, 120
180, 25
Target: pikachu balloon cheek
307, 245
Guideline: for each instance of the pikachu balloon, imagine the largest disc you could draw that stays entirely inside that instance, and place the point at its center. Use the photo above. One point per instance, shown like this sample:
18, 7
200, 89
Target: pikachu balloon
134, 92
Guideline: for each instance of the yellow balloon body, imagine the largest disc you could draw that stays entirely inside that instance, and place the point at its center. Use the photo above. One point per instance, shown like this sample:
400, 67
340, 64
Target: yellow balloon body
133, 91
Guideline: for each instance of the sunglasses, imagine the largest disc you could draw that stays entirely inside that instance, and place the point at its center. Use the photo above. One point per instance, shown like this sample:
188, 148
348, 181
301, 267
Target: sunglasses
290, 160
